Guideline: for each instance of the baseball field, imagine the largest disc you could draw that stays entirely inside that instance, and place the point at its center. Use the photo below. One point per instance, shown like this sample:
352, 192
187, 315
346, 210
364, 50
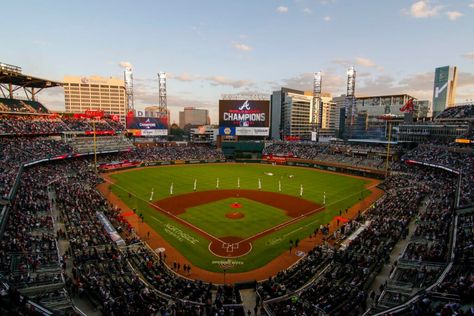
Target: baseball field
240, 215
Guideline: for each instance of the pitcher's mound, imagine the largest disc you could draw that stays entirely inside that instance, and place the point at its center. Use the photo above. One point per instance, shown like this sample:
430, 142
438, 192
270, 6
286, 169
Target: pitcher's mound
235, 215
236, 205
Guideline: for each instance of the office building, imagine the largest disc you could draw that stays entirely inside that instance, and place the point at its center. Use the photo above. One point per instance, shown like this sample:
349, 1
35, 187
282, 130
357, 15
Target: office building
194, 117
95, 93
444, 89
291, 114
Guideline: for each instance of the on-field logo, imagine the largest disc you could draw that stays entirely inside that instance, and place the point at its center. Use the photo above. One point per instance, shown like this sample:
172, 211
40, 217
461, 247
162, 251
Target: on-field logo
245, 106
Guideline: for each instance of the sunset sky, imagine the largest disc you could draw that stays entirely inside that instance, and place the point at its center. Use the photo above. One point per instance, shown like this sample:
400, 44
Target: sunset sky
209, 48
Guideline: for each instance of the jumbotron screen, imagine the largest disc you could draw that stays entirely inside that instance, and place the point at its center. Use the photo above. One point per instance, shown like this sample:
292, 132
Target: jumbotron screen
147, 126
244, 117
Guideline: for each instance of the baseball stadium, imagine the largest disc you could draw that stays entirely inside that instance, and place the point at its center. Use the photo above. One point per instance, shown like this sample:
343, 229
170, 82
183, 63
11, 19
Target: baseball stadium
289, 203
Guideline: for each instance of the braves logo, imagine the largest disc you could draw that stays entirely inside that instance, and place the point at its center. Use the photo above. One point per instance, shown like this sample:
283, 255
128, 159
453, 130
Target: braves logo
245, 106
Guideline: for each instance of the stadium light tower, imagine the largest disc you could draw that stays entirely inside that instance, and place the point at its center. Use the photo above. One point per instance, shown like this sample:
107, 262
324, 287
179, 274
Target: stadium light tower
128, 79
317, 104
350, 93
350, 102
162, 90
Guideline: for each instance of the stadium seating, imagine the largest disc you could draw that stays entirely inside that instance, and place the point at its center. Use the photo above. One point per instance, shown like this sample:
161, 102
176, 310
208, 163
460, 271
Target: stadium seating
56, 203
371, 156
103, 143
22, 106
457, 112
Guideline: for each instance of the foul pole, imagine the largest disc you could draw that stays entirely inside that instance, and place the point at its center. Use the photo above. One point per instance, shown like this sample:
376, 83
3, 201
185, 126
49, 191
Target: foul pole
388, 147
95, 147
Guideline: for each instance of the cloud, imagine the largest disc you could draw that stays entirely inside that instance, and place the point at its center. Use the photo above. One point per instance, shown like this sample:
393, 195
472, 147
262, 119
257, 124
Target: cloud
359, 61
423, 9
213, 80
454, 15
331, 82
471, 5
282, 9
125, 64
419, 85
185, 77
307, 10
465, 79
223, 81
327, 18
242, 47
469, 55
365, 62
53, 99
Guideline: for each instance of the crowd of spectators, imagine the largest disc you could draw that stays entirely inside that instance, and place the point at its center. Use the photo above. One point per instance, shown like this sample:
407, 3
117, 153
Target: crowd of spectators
21, 106
343, 288
290, 280
371, 156
454, 294
458, 159
28, 248
53, 124
101, 272
16, 151
458, 112
156, 153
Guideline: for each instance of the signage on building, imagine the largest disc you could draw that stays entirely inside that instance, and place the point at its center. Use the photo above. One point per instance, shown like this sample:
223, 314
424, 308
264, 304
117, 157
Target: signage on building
247, 117
227, 131
147, 126
252, 131
147, 123
148, 132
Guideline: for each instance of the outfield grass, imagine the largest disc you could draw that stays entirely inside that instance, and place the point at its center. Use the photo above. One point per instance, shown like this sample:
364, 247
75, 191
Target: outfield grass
341, 193
211, 217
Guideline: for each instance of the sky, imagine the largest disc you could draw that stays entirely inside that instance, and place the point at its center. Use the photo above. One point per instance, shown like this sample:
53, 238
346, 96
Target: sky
214, 47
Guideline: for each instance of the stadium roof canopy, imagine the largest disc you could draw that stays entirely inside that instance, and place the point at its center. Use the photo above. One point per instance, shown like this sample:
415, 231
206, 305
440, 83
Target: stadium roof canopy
12, 79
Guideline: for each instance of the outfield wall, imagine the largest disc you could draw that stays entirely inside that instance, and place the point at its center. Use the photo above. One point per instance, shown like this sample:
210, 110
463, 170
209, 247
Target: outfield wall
357, 171
123, 166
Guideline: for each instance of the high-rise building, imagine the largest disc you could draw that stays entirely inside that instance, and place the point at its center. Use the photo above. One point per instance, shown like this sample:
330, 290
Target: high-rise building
95, 93
444, 89
194, 117
291, 113
158, 111
330, 114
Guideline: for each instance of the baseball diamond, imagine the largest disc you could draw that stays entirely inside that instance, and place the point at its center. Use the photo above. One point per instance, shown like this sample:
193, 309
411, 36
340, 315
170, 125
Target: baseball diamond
272, 212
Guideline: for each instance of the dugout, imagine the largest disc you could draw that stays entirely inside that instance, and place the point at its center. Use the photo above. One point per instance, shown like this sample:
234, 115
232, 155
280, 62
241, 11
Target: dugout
243, 149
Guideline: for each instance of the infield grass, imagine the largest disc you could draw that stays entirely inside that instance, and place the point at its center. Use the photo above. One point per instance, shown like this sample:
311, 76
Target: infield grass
212, 218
